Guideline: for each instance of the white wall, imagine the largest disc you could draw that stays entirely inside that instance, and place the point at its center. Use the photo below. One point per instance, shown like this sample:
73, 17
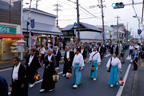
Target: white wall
40, 18
90, 35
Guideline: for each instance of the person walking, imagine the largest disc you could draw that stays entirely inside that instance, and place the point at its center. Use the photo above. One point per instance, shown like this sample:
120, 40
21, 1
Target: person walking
42, 52
57, 54
135, 61
95, 62
19, 82
78, 63
50, 69
3, 87
114, 66
68, 58
32, 65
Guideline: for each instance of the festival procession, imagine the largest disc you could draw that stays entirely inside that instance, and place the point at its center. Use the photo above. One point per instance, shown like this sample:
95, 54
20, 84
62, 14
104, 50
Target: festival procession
43, 53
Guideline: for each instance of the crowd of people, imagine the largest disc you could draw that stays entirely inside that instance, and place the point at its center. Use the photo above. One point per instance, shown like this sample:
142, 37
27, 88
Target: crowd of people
75, 58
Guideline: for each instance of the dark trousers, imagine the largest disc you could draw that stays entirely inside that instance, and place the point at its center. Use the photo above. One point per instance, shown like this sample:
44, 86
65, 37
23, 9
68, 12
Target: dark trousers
42, 57
131, 52
17, 90
134, 63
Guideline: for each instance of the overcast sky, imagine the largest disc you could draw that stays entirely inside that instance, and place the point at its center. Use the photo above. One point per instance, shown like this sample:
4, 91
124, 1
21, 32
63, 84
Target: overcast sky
68, 14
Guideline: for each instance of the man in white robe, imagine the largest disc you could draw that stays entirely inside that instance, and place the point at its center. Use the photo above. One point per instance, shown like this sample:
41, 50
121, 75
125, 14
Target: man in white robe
78, 63
95, 62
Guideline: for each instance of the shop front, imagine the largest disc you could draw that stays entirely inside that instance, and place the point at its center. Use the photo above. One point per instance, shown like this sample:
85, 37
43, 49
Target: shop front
42, 34
8, 36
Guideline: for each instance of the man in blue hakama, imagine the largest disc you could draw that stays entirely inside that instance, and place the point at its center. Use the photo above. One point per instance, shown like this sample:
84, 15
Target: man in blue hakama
95, 62
78, 63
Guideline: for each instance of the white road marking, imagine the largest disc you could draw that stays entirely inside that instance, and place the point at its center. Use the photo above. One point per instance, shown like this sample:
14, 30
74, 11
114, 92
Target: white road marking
119, 93
2, 70
38, 81
128, 58
60, 72
107, 55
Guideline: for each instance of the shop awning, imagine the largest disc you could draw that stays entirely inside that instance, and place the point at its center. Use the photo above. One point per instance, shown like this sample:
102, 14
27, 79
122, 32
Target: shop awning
11, 35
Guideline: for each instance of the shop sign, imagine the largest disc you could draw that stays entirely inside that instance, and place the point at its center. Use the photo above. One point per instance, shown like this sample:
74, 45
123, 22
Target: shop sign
4, 29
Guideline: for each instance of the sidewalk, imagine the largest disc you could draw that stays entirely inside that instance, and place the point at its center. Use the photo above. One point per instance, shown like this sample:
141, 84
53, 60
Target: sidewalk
5, 64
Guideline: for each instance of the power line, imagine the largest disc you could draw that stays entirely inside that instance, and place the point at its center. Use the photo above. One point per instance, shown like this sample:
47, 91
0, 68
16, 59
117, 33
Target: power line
76, 19
88, 11
71, 6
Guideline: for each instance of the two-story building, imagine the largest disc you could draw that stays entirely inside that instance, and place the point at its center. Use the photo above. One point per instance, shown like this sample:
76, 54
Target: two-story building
10, 27
44, 26
88, 33
110, 34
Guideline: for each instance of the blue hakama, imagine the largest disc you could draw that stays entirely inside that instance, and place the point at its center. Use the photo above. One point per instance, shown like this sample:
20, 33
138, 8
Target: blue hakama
113, 78
77, 75
93, 74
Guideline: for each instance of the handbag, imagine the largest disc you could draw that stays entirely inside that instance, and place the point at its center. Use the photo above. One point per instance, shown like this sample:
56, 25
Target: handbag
92, 68
110, 66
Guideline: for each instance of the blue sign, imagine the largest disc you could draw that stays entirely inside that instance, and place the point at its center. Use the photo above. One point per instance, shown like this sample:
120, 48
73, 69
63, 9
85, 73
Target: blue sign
75, 25
110, 35
32, 23
139, 31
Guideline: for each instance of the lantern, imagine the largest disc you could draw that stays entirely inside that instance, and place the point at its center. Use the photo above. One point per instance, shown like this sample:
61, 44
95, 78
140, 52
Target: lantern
68, 75
37, 77
56, 78
121, 81
10, 89
84, 61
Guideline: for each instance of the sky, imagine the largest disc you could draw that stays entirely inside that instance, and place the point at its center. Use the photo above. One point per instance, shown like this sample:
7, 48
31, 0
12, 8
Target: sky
68, 14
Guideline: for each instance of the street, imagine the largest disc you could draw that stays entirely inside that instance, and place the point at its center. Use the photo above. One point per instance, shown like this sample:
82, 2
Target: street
88, 87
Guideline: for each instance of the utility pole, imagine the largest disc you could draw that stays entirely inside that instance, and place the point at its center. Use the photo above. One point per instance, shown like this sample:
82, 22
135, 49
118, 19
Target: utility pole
57, 12
117, 28
78, 23
127, 32
102, 20
37, 3
29, 17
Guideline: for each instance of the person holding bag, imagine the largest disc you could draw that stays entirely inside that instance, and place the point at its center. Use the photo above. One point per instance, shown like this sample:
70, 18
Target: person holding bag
48, 84
114, 66
95, 61
77, 65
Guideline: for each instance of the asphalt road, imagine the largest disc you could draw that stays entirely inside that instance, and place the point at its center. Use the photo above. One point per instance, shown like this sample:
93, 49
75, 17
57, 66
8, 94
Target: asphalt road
88, 87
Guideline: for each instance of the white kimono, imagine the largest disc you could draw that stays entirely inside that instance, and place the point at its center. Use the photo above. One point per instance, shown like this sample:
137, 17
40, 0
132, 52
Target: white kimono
78, 58
115, 61
95, 57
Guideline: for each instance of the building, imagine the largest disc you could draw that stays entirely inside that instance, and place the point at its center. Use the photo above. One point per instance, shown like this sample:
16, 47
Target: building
88, 33
110, 34
44, 26
122, 31
10, 27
